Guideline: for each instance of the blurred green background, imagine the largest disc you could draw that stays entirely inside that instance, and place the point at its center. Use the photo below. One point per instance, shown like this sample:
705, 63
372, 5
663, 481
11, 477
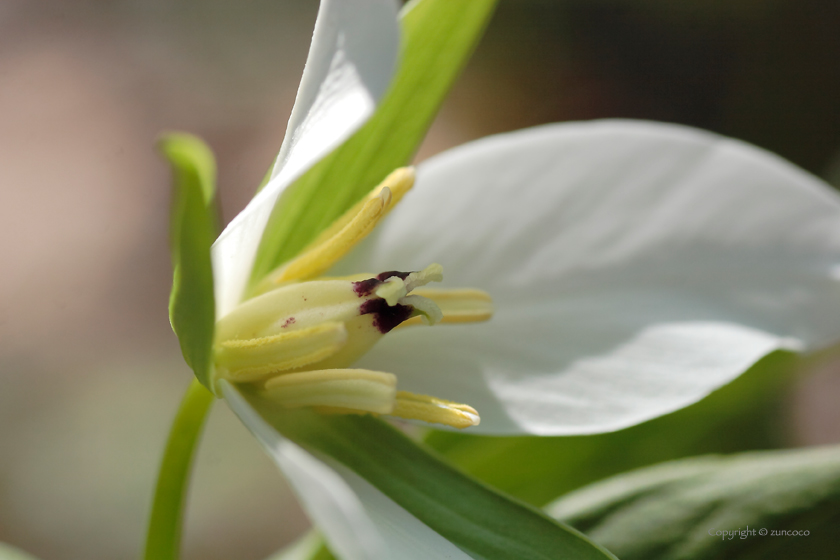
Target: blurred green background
90, 370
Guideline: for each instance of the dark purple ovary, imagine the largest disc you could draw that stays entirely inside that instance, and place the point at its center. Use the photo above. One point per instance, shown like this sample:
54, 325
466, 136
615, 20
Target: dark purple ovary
386, 317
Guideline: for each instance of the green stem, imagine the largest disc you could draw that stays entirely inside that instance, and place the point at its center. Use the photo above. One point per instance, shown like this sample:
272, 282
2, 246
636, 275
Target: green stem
163, 541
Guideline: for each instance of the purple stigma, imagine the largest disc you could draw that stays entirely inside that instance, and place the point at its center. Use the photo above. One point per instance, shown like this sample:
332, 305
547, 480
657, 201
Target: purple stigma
366, 287
386, 317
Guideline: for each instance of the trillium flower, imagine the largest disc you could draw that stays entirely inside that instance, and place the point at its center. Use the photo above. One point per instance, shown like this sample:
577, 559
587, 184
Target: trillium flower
629, 268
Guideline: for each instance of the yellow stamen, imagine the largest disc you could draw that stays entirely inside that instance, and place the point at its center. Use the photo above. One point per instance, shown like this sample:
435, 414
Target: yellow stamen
398, 182
320, 258
359, 390
457, 306
343, 234
435, 411
296, 333
257, 358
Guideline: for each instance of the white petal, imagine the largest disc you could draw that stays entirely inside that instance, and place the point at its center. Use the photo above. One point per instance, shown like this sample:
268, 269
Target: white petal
635, 266
358, 521
330, 502
302, 549
349, 67
406, 537
350, 64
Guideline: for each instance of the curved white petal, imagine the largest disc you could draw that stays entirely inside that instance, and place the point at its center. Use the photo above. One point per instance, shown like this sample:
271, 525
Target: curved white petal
329, 501
349, 67
358, 521
302, 549
350, 64
635, 266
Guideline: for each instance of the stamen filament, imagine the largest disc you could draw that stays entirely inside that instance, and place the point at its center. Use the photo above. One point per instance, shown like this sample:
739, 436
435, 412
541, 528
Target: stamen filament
412, 406
354, 389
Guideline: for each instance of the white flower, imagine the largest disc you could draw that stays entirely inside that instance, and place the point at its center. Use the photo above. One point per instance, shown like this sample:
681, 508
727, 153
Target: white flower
635, 267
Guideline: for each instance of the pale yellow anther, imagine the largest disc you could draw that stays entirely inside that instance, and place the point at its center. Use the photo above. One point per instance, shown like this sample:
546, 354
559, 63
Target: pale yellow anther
343, 234
358, 390
320, 258
398, 182
457, 306
258, 358
412, 406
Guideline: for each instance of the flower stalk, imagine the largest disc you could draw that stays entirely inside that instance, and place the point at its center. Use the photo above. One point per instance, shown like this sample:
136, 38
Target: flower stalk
163, 540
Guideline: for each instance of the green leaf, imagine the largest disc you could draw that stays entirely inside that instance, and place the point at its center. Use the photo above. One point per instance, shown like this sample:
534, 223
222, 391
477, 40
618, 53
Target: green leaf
481, 521
194, 226
8, 552
675, 510
438, 38
738, 417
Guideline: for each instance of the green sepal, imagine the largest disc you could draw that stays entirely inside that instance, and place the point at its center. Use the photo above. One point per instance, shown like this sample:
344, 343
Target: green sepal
193, 228
8, 552
438, 37
674, 511
741, 416
481, 521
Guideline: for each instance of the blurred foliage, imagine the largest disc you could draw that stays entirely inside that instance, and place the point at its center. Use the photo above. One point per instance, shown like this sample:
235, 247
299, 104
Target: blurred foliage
743, 415
765, 71
676, 510
10, 553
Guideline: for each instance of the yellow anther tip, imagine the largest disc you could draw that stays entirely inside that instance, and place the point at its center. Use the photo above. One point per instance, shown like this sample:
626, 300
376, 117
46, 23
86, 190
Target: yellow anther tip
412, 406
400, 179
385, 196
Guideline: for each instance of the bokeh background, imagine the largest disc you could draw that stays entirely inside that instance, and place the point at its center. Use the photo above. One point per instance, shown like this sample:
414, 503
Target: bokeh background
90, 373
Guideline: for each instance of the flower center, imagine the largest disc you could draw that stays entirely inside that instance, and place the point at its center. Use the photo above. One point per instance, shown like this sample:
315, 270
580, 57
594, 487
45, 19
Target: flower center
298, 336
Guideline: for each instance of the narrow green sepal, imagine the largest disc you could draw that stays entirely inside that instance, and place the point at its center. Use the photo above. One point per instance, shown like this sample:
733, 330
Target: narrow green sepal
438, 38
193, 228
481, 521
